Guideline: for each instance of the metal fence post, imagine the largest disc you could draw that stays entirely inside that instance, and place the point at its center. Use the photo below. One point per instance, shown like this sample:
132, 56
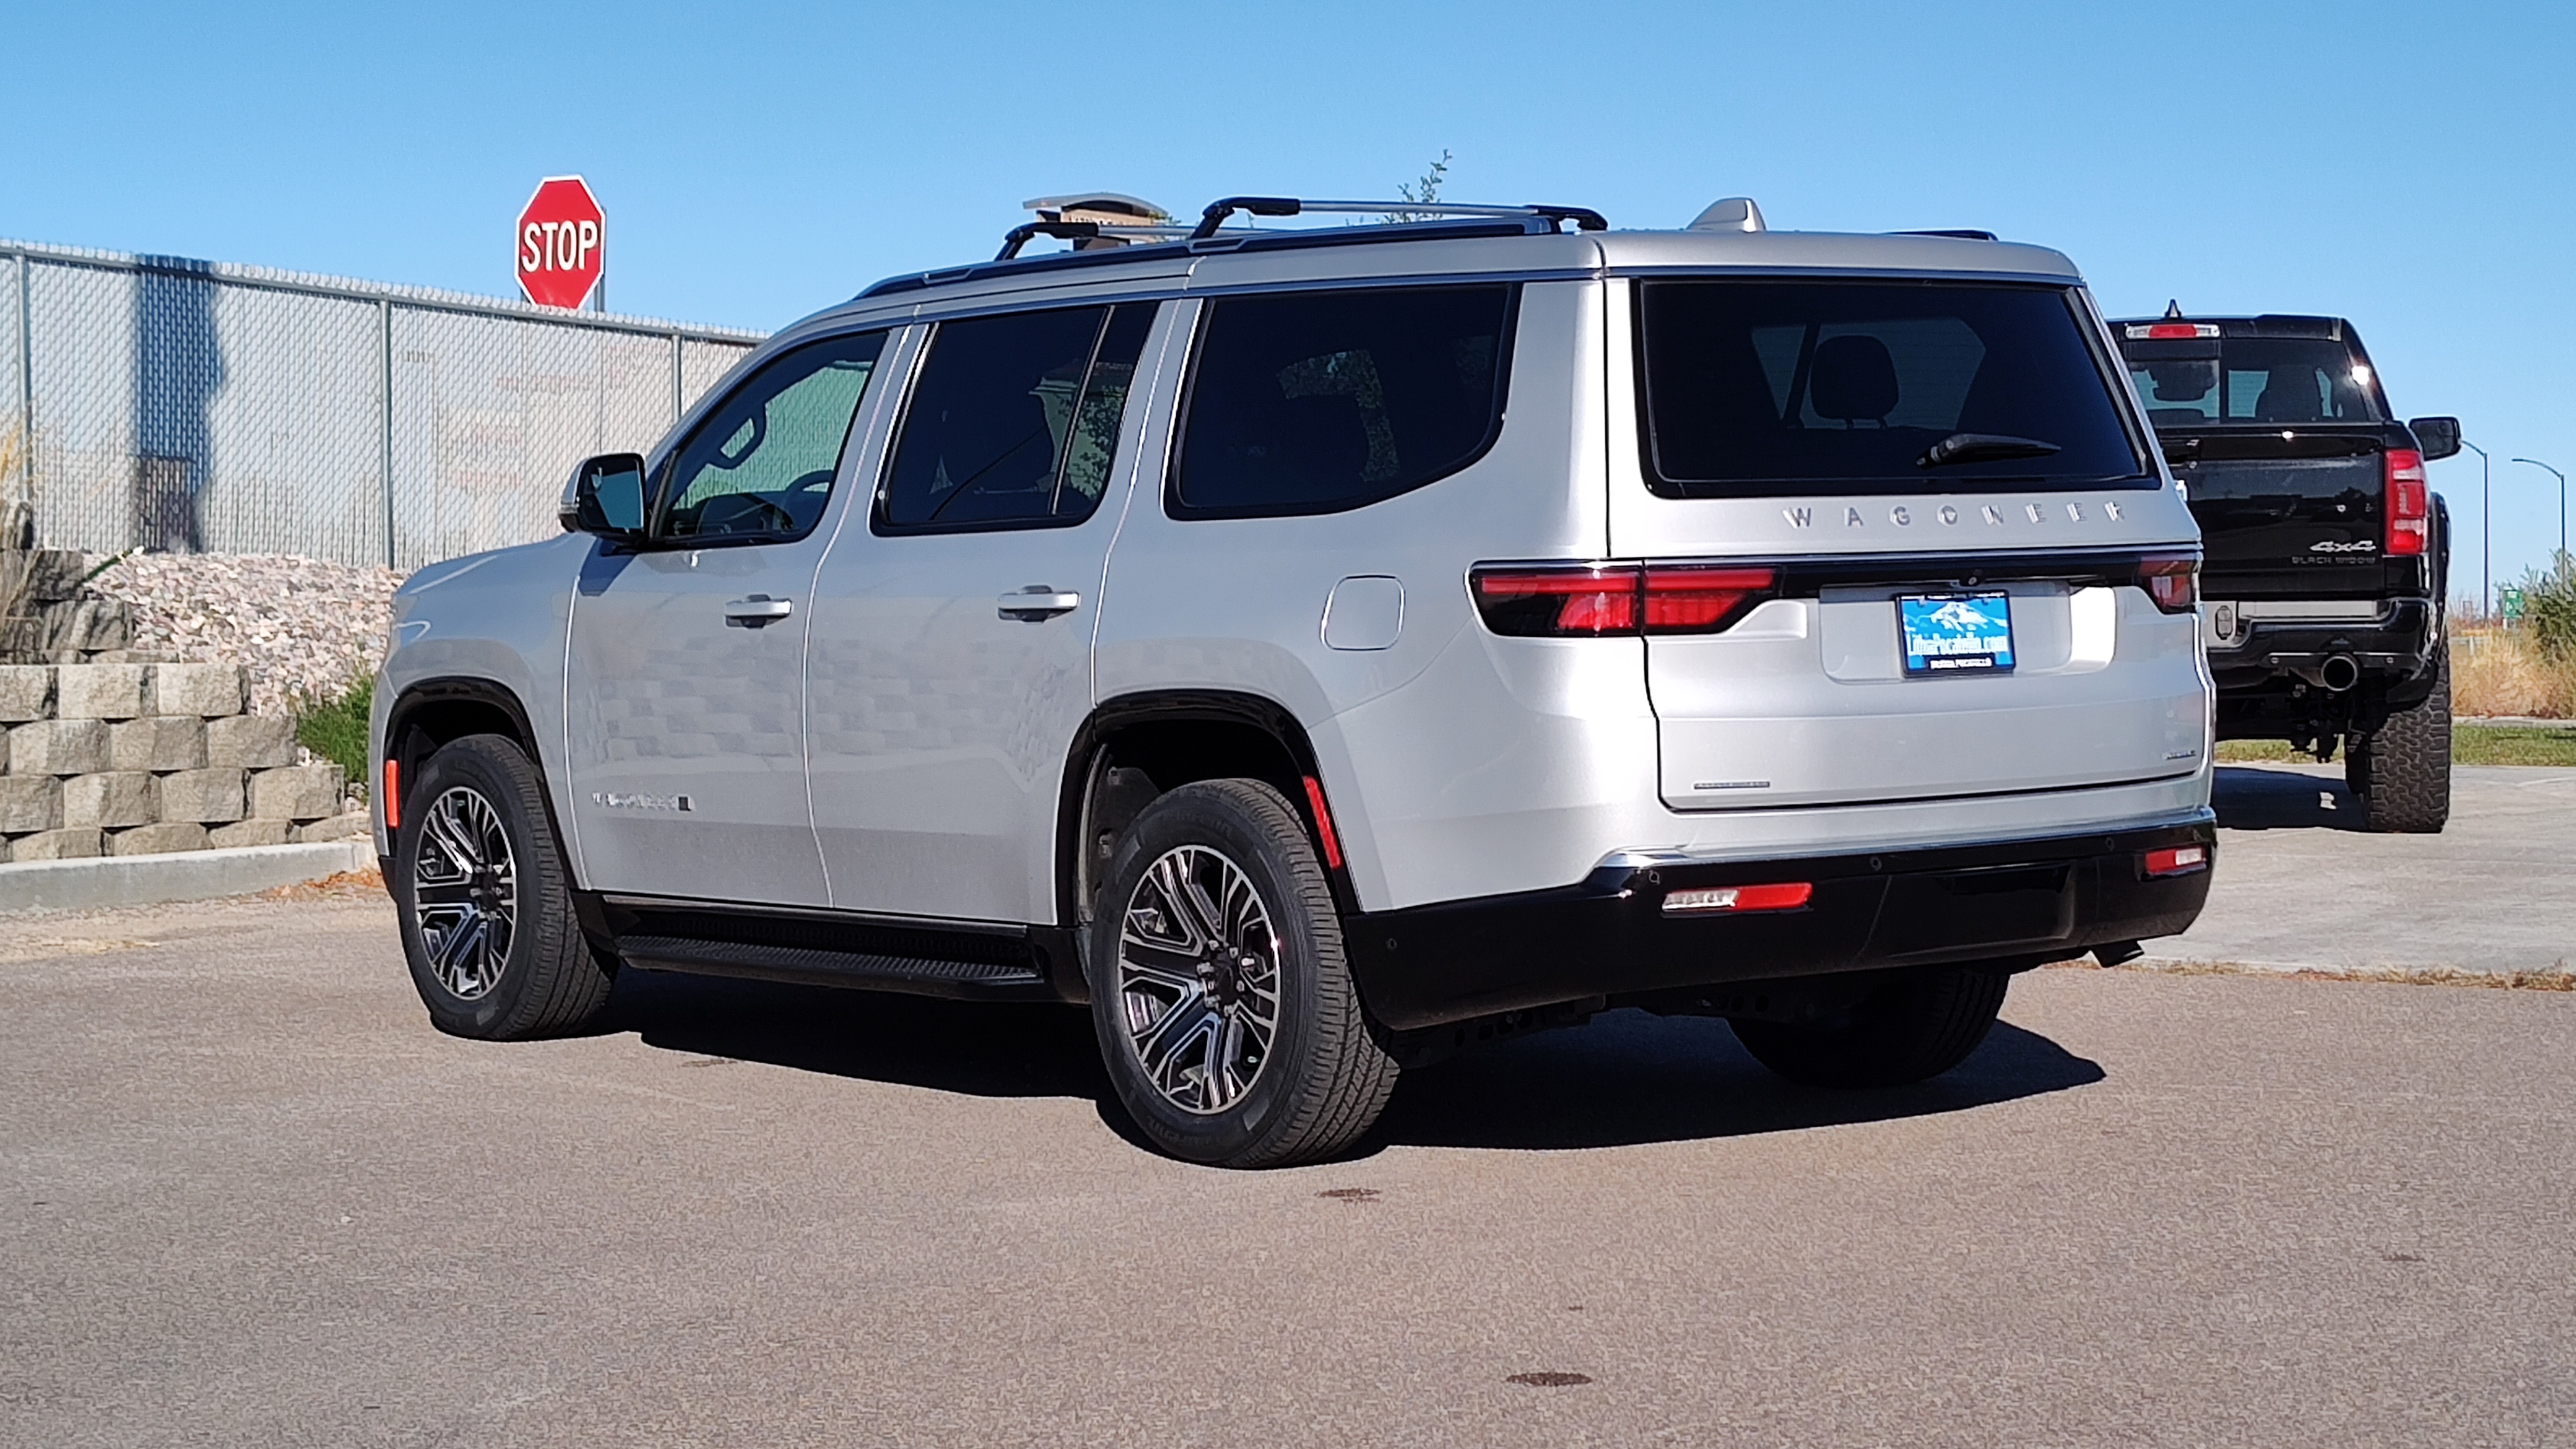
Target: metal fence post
26, 388
385, 326
679, 387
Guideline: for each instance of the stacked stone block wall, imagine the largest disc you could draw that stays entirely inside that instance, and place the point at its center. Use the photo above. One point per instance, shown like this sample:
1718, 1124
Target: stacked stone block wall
139, 759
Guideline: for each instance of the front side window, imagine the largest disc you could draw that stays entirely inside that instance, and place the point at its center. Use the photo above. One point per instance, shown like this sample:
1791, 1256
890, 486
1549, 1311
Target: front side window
761, 465
1755, 388
1313, 402
1014, 421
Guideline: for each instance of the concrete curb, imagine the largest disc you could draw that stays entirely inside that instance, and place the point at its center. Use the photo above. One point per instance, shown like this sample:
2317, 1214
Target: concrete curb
192, 875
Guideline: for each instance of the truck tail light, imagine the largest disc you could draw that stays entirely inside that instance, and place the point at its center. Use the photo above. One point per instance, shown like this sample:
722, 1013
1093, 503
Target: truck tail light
1787, 896
2172, 331
2177, 860
1563, 601
2172, 580
2410, 504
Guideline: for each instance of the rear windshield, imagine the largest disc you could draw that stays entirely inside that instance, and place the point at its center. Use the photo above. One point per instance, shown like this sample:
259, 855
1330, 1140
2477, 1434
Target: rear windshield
1827, 387
2252, 380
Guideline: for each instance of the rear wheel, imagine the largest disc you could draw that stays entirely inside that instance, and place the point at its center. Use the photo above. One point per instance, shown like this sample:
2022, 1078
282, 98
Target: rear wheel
1916, 1025
2402, 770
1224, 1008
485, 902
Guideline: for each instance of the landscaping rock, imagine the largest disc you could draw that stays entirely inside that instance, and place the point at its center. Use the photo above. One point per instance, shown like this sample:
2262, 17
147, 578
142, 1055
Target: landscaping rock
160, 839
30, 803
112, 799
204, 690
55, 845
58, 747
101, 691
209, 797
351, 826
250, 832
250, 741
297, 792
296, 625
26, 691
158, 742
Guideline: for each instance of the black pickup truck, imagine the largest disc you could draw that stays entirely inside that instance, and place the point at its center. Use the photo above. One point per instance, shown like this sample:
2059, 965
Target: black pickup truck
2326, 552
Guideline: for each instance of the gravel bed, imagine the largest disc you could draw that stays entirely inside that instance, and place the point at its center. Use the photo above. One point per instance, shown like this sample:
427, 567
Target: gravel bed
297, 625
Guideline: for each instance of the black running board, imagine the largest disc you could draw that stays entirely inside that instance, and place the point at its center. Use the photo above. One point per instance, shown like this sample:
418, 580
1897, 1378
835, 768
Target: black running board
971, 961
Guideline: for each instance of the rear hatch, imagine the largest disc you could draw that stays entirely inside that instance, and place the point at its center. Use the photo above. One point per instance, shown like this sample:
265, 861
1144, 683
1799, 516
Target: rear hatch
2277, 430
1950, 529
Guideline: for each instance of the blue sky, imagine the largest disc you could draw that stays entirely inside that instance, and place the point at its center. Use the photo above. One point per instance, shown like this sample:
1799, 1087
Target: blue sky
2409, 167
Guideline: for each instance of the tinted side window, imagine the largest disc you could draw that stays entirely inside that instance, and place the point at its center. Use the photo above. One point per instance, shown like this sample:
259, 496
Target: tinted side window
761, 465
1310, 402
1014, 420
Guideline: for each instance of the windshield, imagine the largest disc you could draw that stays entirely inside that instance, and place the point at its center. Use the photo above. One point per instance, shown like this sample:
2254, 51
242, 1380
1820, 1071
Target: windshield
1819, 387
2270, 380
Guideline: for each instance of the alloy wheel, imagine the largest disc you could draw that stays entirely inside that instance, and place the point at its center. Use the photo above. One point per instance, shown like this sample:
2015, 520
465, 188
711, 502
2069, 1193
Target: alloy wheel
465, 895
1198, 979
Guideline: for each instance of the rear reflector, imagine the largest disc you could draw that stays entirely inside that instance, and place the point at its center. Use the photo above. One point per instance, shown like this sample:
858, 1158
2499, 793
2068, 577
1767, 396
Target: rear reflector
1563, 601
2178, 860
1323, 824
2172, 580
1788, 897
2172, 331
2410, 504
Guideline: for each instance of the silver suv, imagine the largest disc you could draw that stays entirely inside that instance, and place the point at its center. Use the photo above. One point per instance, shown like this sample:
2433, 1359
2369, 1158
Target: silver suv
1318, 648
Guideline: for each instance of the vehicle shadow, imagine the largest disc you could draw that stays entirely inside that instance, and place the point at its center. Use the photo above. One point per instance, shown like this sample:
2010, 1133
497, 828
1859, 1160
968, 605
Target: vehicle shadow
1625, 1078
1629, 1078
2248, 798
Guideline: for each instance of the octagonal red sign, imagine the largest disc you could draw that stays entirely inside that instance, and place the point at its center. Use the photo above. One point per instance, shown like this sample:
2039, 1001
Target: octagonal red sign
563, 243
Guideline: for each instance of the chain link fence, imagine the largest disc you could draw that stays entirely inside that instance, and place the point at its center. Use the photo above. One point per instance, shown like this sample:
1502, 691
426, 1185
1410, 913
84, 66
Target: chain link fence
164, 403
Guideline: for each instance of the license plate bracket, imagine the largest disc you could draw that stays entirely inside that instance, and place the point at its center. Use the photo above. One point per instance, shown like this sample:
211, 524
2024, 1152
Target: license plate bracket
1963, 633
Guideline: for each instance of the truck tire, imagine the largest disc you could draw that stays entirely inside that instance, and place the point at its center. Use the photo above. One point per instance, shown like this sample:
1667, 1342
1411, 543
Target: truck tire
1918, 1025
485, 902
1224, 1005
2402, 770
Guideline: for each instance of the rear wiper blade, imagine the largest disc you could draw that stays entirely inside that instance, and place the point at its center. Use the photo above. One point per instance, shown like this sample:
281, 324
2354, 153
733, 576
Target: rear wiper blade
1982, 448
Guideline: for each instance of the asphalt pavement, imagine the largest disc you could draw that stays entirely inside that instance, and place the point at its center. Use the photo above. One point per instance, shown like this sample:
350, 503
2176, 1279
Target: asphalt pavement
247, 1196
2301, 885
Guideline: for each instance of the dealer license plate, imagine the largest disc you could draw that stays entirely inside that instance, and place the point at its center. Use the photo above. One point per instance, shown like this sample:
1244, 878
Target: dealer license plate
1956, 633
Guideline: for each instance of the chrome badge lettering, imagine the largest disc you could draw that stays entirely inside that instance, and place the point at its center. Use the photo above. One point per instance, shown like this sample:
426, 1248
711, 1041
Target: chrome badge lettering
2358, 545
1799, 517
614, 800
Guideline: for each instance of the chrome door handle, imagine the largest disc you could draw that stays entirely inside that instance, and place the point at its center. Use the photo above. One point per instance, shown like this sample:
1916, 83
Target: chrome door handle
1037, 602
758, 609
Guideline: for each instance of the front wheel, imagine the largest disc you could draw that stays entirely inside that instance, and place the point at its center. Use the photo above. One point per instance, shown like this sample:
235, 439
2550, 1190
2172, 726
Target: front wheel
1916, 1025
1224, 1007
485, 902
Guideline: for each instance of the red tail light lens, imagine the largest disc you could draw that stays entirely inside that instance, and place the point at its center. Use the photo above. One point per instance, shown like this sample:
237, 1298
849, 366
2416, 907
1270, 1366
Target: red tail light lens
2173, 581
2410, 504
1575, 601
1787, 896
1546, 602
2177, 860
2172, 331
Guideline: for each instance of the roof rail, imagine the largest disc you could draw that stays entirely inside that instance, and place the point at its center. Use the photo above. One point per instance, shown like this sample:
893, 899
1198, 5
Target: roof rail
1963, 233
1584, 218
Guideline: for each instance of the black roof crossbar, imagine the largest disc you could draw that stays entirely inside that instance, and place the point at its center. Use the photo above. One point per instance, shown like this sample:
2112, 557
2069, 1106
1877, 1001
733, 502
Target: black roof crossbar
1584, 218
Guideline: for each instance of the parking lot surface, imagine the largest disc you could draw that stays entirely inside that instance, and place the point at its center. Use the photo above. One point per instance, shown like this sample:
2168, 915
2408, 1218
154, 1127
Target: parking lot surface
247, 1196
2301, 885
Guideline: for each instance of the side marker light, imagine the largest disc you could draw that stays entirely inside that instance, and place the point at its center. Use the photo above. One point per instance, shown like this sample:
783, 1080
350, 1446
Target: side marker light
393, 796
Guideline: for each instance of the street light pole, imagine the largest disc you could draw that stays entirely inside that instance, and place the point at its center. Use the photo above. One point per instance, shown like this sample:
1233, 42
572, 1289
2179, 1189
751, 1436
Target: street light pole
2486, 527
2562, 500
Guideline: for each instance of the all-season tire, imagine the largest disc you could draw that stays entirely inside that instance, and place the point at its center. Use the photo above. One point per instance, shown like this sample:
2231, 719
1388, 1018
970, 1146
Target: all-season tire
485, 902
1916, 1025
1215, 914
2402, 770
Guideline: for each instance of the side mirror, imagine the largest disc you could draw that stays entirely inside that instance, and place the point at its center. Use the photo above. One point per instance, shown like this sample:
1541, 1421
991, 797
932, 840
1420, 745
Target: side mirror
606, 498
2438, 437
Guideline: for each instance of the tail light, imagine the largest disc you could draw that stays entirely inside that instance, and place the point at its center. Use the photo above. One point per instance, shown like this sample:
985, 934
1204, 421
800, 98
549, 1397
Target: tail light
1557, 601
2172, 580
2177, 860
2410, 504
1788, 896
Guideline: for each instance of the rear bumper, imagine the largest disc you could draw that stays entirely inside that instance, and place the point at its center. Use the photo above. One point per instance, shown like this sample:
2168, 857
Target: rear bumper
1609, 936
2397, 648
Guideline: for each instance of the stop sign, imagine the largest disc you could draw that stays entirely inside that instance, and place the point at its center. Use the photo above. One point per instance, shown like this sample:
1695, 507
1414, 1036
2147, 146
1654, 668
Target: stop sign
563, 243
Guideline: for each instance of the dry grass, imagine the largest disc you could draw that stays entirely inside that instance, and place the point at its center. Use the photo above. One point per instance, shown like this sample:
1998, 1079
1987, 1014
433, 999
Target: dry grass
2503, 672
342, 886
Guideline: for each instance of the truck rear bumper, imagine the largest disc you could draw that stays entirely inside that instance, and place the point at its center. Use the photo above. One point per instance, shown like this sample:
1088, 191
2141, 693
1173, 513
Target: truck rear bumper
2022, 901
2396, 648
